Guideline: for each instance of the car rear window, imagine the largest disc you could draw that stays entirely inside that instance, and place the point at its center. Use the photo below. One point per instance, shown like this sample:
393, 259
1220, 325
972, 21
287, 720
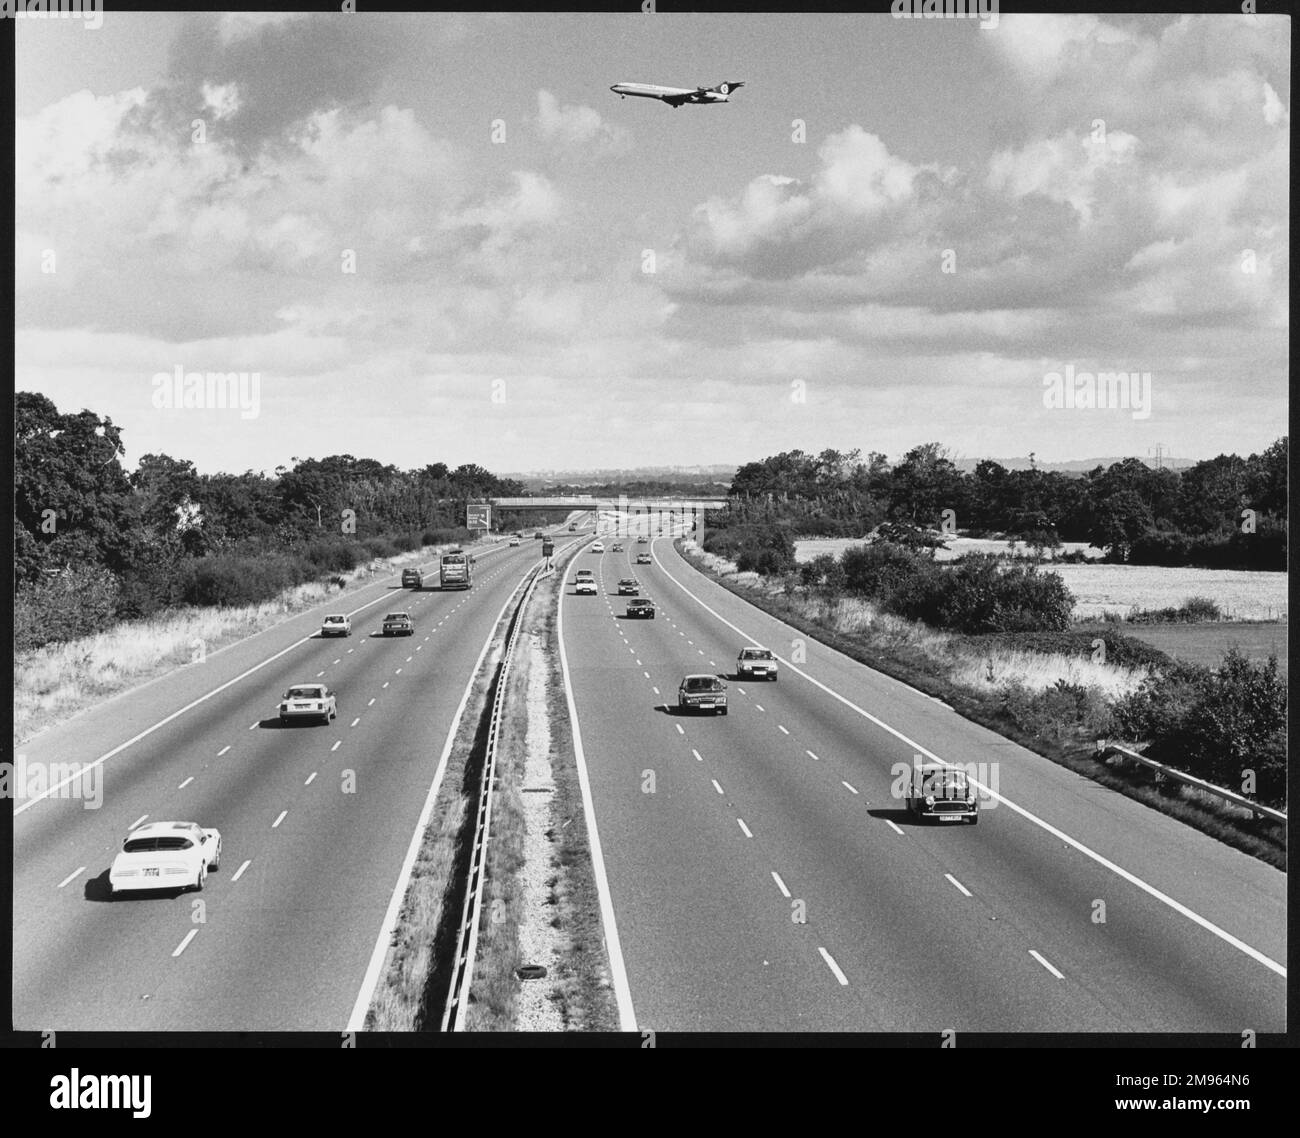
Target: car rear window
156, 845
303, 693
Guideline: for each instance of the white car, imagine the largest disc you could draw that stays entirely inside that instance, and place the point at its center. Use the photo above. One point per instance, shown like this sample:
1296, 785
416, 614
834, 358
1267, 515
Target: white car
309, 701
585, 582
165, 855
336, 624
514, 541
756, 663
599, 547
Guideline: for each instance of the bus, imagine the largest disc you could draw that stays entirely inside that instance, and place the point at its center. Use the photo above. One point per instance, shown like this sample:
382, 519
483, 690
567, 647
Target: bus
455, 569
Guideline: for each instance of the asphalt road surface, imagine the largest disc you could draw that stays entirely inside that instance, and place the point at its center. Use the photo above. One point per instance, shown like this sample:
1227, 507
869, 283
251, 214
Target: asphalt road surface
281, 935
764, 877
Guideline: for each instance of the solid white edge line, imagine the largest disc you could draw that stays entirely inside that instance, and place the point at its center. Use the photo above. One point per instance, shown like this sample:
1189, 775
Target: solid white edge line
835, 968
613, 948
357, 1020
1118, 870
1043, 961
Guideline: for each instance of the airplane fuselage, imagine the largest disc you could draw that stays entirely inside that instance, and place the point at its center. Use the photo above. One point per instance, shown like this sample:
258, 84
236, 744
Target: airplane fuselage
675, 96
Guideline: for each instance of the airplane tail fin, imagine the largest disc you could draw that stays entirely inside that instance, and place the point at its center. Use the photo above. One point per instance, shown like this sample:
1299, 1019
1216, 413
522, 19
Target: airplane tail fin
727, 88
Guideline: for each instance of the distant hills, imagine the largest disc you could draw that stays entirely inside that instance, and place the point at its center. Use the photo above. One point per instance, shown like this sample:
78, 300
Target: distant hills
1077, 465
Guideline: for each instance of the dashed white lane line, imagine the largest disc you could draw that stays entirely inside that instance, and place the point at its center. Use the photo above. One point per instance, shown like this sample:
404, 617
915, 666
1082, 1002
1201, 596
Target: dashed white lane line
1039, 957
957, 883
741, 690
759, 706
223, 750
418, 647
189, 936
371, 703
186, 783
339, 660
254, 726
656, 690
319, 674
780, 884
698, 757
309, 779
849, 787
830, 963
336, 746
638, 663
782, 729
892, 826
351, 650
700, 651
715, 785
679, 727
72, 876
356, 721
646, 674
747, 830
140, 819
385, 683
811, 755
409, 659
398, 672
279, 819
240, 871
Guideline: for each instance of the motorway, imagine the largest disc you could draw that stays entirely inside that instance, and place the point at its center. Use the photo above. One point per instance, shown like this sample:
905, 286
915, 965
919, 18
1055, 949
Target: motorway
281, 936
763, 877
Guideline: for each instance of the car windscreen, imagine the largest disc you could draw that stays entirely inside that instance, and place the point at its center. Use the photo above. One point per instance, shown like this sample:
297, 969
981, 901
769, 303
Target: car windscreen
755, 654
335, 619
944, 782
303, 693
397, 616
703, 683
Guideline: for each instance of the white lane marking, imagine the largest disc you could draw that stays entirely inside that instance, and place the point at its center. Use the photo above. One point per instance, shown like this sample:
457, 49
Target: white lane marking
741, 690
613, 947
339, 660
356, 721
678, 726
810, 755
713, 663
830, 963
646, 674
186, 783
398, 672
189, 936
759, 706
319, 674
309, 778
336, 746
71, 876
892, 826
1100, 859
748, 833
240, 871
140, 819
780, 884
851, 788
418, 647
357, 1019
715, 785
782, 729
385, 683
409, 659
350, 651
957, 883
698, 757
223, 750
251, 727
279, 819
656, 690
371, 703
1039, 957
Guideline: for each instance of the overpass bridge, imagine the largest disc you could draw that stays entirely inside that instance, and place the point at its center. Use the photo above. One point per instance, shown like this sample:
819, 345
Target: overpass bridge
622, 503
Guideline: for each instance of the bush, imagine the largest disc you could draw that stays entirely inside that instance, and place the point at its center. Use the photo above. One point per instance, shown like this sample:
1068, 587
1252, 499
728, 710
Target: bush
1063, 712
1214, 724
379, 547
765, 549
1192, 611
79, 602
406, 542
1123, 651
231, 579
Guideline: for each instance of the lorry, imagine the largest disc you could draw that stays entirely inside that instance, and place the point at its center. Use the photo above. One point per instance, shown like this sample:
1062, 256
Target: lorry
454, 570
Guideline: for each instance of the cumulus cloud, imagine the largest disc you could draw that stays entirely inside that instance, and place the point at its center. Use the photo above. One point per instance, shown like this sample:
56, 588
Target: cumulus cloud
577, 126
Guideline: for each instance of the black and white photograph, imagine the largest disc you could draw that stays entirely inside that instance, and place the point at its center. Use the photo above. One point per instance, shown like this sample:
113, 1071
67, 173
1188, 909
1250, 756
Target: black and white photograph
651, 526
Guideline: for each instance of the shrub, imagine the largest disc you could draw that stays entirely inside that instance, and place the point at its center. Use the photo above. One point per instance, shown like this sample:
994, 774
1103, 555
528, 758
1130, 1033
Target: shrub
78, 602
1123, 651
1062, 712
1191, 611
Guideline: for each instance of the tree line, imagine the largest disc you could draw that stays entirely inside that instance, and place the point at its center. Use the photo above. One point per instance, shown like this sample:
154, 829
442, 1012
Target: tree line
94, 543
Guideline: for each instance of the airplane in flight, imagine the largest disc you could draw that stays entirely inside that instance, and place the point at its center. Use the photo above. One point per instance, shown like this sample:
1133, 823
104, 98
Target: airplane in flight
676, 96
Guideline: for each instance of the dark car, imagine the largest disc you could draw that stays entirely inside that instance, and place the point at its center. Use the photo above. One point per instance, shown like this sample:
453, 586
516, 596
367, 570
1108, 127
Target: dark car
937, 791
702, 693
641, 607
412, 579
628, 587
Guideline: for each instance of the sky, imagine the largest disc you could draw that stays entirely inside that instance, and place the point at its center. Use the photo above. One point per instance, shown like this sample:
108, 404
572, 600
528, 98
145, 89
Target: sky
443, 238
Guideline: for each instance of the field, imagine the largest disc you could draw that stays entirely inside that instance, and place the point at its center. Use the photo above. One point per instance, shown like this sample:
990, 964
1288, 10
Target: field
1206, 643
807, 548
1098, 589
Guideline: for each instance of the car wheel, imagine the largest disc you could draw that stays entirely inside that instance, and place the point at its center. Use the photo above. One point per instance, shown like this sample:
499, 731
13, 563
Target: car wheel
216, 861
202, 877
724, 711
974, 818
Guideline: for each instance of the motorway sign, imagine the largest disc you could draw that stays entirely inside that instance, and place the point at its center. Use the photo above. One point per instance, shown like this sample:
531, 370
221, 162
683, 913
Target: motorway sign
478, 515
